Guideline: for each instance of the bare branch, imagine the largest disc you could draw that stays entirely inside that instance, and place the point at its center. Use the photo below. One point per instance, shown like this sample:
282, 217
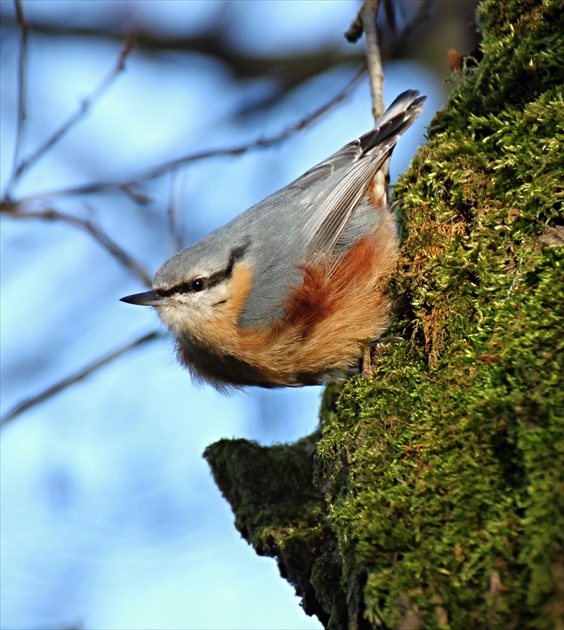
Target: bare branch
367, 21
22, 90
291, 69
369, 16
97, 234
81, 374
354, 32
76, 117
15, 209
170, 165
135, 195
172, 215
391, 48
420, 16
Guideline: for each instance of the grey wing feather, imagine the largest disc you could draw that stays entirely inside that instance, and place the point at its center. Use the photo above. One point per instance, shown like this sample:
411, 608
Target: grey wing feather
347, 155
338, 184
338, 207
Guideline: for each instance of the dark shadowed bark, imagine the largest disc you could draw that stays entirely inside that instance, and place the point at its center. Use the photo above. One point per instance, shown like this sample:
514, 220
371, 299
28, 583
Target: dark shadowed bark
433, 496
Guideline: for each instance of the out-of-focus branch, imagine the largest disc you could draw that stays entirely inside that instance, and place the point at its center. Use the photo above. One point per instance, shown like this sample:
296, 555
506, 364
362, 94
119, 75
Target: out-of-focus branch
396, 39
21, 87
95, 232
77, 116
417, 18
291, 68
171, 165
172, 215
81, 374
16, 208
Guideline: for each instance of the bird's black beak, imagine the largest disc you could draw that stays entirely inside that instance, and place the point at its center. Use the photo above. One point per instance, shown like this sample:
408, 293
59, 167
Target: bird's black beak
149, 298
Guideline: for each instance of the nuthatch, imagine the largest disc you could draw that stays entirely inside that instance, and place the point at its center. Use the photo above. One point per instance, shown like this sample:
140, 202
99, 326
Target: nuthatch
288, 292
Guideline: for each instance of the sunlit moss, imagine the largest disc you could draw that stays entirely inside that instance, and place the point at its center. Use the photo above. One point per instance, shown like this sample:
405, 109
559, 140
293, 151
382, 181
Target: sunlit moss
436, 495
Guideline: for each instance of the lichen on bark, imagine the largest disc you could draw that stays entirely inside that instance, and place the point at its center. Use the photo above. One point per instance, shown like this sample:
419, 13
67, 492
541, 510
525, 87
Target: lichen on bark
434, 497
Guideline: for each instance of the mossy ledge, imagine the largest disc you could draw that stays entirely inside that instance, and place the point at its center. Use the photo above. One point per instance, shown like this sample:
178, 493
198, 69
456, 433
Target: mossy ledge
435, 496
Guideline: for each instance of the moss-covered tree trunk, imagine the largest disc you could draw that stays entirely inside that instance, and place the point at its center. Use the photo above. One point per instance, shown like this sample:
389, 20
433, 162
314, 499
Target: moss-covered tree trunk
434, 497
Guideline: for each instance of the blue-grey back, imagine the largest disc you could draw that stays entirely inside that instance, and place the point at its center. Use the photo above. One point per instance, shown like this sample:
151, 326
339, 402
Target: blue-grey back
321, 213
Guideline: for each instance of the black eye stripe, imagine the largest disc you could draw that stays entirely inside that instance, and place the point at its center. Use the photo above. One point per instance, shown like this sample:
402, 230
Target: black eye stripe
196, 285
193, 286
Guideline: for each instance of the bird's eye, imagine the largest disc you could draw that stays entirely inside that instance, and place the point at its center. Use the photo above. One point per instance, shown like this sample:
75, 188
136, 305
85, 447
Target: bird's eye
198, 284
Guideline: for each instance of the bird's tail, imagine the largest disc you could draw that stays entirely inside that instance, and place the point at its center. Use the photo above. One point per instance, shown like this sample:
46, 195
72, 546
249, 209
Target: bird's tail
399, 116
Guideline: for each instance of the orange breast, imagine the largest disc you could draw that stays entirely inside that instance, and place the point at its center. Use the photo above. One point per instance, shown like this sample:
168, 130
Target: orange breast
339, 305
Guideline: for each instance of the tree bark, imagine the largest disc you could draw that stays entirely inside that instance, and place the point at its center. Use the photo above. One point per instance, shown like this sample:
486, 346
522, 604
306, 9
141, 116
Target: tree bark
433, 495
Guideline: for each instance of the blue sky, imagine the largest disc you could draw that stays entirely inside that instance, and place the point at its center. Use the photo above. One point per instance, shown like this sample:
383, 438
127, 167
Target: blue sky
109, 516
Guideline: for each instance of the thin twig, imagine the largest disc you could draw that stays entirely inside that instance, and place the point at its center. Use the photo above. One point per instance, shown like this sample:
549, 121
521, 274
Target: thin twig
78, 115
367, 22
354, 32
81, 374
369, 16
356, 29
172, 215
96, 233
170, 165
136, 196
420, 16
214, 42
22, 92
390, 13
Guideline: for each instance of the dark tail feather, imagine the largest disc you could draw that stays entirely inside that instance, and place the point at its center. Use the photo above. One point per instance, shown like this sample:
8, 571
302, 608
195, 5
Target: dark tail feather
399, 116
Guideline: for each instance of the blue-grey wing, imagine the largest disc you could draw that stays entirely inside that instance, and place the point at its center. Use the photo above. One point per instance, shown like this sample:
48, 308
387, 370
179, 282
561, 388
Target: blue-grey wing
332, 190
307, 218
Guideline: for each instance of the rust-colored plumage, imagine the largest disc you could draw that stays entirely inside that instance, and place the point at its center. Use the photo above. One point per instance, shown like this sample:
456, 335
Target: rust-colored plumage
292, 290
339, 306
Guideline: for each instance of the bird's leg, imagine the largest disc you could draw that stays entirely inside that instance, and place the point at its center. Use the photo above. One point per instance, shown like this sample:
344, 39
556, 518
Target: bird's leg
367, 369
372, 352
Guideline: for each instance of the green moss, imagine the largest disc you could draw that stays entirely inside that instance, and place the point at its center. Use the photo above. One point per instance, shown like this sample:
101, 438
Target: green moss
454, 503
277, 508
436, 497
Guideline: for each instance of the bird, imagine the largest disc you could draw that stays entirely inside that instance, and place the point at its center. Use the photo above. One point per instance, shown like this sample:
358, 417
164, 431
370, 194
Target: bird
291, 291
